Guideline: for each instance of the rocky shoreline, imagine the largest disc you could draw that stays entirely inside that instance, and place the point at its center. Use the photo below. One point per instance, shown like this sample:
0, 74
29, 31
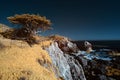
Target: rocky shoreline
81, 65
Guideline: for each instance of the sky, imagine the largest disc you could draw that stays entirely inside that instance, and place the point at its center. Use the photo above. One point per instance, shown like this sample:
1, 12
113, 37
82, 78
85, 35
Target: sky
76, 19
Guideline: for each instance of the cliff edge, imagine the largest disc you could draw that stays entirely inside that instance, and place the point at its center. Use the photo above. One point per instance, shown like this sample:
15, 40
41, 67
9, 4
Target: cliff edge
19, 61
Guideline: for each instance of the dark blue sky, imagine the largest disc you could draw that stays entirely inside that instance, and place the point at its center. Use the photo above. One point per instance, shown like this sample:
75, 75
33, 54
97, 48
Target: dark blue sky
77, 19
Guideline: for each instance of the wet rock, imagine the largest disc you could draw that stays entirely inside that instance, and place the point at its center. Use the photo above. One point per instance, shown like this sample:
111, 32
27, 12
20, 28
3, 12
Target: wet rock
98, 69
103, 77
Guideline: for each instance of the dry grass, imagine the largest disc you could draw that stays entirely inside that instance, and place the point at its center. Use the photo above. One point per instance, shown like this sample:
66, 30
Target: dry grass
57, 37
20, 62
6, 31
112, 71
3, 28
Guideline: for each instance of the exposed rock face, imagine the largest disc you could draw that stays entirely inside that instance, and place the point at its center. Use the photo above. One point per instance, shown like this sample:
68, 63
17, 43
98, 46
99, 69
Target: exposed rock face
59, 61
64, 60
68, 66
81, 65
64, 44
75, 68
88, 46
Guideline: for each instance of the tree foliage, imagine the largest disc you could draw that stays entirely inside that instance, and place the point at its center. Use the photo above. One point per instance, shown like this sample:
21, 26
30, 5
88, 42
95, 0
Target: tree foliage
30, 24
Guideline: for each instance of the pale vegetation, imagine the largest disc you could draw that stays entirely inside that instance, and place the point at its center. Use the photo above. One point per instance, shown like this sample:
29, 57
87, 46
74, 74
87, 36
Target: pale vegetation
20, 62
57, 38
30, 25
112, 71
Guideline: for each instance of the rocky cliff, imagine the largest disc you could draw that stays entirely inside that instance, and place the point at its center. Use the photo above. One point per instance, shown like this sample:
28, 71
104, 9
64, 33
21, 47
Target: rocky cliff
47, 60
53, 58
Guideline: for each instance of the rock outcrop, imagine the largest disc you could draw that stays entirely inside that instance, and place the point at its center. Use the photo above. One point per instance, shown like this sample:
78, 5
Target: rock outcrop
81, 65
59, 61
63, 58
54, 58
99, 65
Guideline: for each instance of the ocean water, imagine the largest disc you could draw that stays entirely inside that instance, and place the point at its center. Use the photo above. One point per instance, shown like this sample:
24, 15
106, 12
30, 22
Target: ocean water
101, 44
100, 61
101, 49
100, 55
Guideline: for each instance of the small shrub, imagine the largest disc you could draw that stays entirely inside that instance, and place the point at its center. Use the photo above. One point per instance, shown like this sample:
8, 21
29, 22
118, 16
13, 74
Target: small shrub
30, 25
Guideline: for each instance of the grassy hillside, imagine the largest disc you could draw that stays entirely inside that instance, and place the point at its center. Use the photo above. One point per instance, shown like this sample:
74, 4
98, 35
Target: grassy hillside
19, 61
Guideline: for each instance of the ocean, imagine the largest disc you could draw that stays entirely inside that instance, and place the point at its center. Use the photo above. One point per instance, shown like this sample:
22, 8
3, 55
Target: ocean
100, 44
